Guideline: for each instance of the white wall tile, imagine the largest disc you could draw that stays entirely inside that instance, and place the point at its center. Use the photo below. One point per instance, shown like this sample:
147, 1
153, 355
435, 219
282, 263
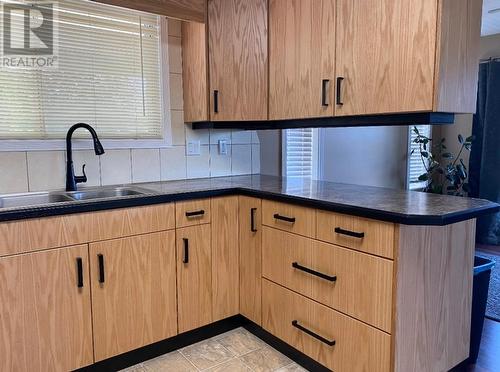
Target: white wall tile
220, 134
178, 128
145, 165
176, 100
173, 163
14, 172
241, 137
202, 135
92, 166
198, 166
174, 27
241, 159
116, 167
255, 159
220, 165
46, 170
174, 54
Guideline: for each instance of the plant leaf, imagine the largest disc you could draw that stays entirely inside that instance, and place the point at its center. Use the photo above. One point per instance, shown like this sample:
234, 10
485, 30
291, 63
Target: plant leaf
423, 177
460, 139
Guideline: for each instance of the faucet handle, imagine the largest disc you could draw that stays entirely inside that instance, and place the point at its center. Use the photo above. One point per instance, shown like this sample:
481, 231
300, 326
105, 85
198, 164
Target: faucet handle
81, 179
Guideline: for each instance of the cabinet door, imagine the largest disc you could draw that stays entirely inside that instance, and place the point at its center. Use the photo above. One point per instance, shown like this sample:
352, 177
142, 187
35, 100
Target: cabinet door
45, 315
225, 257
238, 59
250, 221
301, 58
133, 292
386, 55
194, 277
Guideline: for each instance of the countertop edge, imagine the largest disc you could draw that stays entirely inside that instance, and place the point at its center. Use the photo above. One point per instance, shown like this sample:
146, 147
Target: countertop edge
152, 199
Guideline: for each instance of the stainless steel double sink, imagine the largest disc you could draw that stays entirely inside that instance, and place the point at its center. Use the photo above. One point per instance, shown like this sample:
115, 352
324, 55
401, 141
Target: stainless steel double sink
46, 198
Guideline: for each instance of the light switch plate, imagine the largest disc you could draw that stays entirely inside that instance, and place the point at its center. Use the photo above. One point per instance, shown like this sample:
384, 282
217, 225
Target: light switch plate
193, 148
222, 147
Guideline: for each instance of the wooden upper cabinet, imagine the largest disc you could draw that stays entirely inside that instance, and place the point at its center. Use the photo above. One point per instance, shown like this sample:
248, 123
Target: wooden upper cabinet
407, 56
45, 315
301, 58
133, 292
238, 62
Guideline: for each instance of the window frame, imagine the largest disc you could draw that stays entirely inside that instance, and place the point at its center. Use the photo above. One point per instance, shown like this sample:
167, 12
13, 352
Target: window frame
112, 144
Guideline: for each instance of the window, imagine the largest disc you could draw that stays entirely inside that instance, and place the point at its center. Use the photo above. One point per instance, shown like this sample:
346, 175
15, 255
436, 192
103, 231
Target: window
108, 75
415, 165
300, 153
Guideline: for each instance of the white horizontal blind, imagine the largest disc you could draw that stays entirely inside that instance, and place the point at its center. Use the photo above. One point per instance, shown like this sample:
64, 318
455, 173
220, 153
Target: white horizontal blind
415, 165
108, 76
300, 152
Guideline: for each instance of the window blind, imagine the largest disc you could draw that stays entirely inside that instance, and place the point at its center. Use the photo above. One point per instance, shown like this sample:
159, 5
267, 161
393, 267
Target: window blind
108, 76
415, 165
299, 152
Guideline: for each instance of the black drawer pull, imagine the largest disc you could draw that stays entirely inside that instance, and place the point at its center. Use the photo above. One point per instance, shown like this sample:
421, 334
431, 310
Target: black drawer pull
216, 101
252, 220
354, 234
186, 251
79, 272
284, 218
195, 213
296, 324
339, 91
100, 257
297, 266
324, 86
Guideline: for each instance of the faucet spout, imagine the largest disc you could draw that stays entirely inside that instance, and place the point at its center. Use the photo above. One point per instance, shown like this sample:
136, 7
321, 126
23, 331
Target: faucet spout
71, 179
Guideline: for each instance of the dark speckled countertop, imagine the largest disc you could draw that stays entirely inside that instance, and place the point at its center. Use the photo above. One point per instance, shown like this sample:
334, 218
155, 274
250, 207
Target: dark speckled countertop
399, 206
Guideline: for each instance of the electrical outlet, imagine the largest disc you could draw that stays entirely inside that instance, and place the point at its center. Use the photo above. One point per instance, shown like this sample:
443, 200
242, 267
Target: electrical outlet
222, 147
193, 148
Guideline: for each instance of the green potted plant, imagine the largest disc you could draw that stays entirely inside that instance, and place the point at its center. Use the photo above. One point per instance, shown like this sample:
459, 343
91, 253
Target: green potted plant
444, 172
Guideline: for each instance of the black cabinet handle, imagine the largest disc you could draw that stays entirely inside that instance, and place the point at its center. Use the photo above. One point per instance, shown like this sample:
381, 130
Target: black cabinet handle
324, 86
216, 101
100, 257
354, 234
297, 266
284, 218
79, 272
339, 91
252, 219
296, 324
186, 251
195, 213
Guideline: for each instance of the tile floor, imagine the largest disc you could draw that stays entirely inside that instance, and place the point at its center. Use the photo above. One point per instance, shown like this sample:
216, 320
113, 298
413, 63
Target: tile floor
235, 351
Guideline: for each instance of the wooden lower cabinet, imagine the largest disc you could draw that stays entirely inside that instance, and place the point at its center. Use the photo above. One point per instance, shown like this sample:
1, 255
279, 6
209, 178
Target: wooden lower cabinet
194, 277
357, 347
133, 292
45, 317
250, 223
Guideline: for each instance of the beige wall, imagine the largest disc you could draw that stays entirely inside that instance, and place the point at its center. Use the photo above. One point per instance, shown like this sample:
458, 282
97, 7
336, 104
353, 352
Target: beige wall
489, 47
23, 171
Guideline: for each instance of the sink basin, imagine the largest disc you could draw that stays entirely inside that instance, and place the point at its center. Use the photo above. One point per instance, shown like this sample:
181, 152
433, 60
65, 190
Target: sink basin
25, 200
103, 193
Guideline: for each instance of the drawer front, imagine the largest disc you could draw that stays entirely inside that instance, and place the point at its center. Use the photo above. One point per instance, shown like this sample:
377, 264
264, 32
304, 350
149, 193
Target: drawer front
312, 328
192, 212
287, 217
354, 283
370, 236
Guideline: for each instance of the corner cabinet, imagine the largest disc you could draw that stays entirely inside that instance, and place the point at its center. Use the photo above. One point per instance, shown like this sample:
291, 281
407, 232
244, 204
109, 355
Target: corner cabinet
331, 58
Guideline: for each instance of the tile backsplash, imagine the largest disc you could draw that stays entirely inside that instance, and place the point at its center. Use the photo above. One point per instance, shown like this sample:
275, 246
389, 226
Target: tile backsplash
23, 171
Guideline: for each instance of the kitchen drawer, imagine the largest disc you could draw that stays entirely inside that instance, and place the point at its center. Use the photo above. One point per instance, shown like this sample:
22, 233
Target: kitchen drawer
354, 283
357, 346
192, 212
288, 217
362, 234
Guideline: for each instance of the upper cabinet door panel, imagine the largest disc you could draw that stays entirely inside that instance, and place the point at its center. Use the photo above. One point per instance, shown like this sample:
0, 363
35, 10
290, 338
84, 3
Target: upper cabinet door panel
386, 55
238, 59
301, 58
